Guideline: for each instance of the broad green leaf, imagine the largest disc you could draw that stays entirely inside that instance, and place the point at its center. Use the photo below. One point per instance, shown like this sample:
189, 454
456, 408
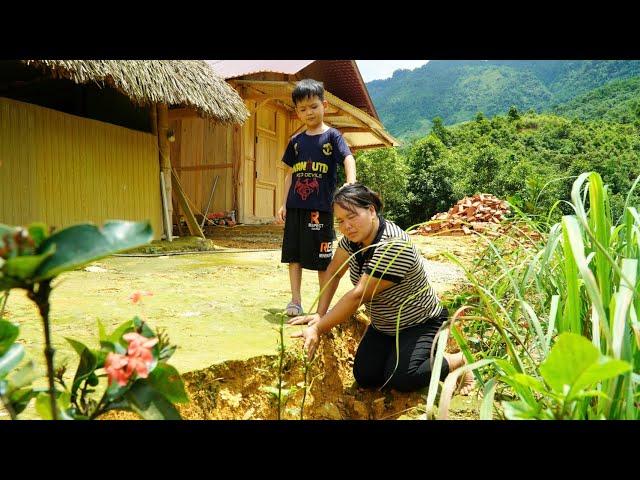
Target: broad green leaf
116, 335
529, 381
142, 326
11, 359
86, 366
166, 380
576, 363
38, 232
603, 369
8, 334
568, 359
23, 267
149, 403
43, 406
81, 244
519, 410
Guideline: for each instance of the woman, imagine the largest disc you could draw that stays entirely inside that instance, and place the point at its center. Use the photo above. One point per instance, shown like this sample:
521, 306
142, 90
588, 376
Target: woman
389, 276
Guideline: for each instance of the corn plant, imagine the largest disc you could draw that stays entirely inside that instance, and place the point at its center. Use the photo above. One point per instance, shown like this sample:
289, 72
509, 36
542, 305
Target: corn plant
582, 279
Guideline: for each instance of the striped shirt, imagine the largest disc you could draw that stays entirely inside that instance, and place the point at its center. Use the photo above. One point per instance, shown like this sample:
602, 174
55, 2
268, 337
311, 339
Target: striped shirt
393, 257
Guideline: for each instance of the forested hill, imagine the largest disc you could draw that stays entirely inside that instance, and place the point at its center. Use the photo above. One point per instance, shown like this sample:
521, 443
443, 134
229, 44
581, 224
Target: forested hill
617, 101
456, 90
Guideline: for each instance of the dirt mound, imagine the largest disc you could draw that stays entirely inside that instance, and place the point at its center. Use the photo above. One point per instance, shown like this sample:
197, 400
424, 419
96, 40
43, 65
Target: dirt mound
233, 389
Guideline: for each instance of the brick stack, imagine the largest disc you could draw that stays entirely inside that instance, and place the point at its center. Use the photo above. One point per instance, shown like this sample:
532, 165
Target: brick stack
481, 213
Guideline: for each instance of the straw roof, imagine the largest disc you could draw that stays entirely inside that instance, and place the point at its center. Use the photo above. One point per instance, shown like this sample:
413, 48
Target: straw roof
186, 83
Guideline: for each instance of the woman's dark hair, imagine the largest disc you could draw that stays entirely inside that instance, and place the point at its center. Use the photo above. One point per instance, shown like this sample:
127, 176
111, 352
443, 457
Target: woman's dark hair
357, 195
307, 88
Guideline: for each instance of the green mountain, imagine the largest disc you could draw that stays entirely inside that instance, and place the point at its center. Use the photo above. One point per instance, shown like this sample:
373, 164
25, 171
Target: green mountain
456, 90
617, 101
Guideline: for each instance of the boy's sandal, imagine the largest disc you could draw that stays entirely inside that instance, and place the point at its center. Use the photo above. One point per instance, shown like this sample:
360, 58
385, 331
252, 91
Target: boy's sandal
294, 309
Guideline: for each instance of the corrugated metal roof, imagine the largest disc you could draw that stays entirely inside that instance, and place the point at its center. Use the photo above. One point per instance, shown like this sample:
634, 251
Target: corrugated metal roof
237, 68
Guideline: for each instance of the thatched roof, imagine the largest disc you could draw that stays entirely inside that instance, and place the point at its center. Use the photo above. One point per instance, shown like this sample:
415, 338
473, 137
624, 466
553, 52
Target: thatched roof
186, 83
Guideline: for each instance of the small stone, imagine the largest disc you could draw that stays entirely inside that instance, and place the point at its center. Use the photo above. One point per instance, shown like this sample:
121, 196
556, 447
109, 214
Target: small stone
378, 408
330, 411
360, 409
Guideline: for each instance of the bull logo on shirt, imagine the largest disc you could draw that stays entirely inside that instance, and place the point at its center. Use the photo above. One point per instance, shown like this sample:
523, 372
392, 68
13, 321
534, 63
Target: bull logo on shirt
306, 187
327, 149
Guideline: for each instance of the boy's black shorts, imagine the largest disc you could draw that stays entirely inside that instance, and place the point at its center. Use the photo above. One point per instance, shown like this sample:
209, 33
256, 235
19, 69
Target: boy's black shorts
308, 238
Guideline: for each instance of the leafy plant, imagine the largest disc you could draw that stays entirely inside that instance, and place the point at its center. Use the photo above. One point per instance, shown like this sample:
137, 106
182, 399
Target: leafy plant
278, 393
570, 376
139, 377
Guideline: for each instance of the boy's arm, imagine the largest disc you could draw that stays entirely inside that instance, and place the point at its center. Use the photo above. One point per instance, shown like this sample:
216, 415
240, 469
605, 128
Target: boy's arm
282, 211
350, 169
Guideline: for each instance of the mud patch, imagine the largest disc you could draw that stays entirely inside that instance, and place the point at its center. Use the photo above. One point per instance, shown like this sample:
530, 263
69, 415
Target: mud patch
232, 390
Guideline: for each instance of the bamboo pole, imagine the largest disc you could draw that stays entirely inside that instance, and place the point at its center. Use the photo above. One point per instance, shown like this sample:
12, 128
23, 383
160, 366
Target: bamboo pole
235, 172
194, 228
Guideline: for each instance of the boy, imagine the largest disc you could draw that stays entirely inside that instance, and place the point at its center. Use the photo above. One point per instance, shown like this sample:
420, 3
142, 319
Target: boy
313, 158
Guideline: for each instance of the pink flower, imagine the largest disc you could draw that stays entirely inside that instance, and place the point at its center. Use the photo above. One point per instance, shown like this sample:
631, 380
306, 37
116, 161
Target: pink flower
140, 346
115, 366
136, 296
139, 366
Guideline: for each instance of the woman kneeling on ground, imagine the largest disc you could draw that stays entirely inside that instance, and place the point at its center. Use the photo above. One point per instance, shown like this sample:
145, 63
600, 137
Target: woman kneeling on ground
390, 278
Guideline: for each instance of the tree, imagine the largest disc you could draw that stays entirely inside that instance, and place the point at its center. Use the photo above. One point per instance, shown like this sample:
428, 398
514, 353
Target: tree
429, 187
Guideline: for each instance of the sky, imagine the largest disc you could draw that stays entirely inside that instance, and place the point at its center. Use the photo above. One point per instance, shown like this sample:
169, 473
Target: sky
381, 69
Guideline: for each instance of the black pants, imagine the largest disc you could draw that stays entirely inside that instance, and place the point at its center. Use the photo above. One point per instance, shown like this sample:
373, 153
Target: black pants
376, 357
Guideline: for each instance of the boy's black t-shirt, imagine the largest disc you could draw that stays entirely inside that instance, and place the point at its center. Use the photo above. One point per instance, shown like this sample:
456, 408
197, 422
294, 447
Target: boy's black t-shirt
314, 159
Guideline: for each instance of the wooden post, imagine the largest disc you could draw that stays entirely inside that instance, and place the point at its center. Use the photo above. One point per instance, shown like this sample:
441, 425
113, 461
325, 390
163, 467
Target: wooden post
165, 209
165, 157
154, 120
235, 170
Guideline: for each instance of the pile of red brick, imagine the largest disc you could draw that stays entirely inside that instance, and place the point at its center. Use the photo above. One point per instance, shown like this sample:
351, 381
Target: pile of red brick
481, 213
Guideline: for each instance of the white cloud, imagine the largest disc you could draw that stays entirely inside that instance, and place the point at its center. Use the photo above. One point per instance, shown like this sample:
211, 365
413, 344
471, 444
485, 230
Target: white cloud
381, 69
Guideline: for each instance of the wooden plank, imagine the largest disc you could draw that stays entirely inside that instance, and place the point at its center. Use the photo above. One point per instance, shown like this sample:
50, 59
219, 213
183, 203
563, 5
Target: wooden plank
194, 228
208, 166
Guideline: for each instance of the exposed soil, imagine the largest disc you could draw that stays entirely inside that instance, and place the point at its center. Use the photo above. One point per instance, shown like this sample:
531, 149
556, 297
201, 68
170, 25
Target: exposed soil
232, 390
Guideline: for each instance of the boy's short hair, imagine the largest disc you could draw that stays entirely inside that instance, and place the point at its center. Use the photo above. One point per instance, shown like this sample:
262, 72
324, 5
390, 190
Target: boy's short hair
307, 88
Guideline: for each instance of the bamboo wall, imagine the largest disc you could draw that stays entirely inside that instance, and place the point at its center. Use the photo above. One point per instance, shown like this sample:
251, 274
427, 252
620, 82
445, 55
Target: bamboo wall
201, 151
62, 169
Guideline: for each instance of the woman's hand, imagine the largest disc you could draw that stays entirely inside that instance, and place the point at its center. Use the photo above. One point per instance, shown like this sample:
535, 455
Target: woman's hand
311, 338
305, 319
